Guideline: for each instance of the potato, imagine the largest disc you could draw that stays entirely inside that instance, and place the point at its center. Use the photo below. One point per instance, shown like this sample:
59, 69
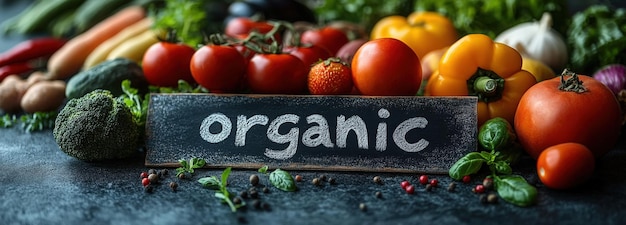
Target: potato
44, 96
12, 89
430, 62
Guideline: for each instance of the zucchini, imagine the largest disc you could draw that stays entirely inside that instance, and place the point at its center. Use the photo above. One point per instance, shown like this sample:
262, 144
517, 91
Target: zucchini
107, 75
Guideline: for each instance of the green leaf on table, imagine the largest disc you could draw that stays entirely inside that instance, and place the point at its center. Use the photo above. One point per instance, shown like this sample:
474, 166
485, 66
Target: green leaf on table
282, 180
467, 165
515, 189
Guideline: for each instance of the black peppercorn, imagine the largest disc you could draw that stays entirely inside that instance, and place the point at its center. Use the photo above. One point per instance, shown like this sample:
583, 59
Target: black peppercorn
152, 171
254, 179
362, 207
256, 204
492, 198
236, 200
298, 178
428, 187
174, 186
266, 190
153, 178
316, 181
331, 180
379, 194
243, 194
253, 193
377, 180
149, 188
323, 177
451, 186
482, 198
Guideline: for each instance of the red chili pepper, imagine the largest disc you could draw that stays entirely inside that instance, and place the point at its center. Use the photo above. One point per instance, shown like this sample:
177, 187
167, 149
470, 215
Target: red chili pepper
16, 68
31, 49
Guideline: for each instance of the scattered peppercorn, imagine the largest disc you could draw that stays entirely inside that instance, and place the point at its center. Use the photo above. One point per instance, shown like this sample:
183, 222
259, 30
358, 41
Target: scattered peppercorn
479, 189
362, 207
149, 188
266, 190
316, 181
331, 180
298, 178
492, 198
467, 179
153, 178
151, 171
423, 179
265, 205
173, 186
243, 194
451, 186
434, 182
377, 180
410, 189
143, 175
253, 193
181, 176
145, 181
236, 200
256, 203
482, 198
488, 183
379, 194
404, 184
429, 187
254, 179
164, 172
323, 177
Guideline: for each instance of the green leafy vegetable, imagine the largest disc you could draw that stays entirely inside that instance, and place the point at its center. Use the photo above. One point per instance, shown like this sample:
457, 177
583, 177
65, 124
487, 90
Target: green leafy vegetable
516, 190
138, 104
7, 121
282, 180
493, 17
183, 87
597, 37
364, 12
511, 188
263, 169
186, 17
189, 166
219, 184
38, 121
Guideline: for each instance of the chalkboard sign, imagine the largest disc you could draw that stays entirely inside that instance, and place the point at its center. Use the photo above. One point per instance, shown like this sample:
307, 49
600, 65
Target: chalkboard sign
338, 133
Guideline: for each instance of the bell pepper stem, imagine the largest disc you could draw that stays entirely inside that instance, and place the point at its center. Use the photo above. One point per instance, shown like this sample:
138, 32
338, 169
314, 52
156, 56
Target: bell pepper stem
485, 85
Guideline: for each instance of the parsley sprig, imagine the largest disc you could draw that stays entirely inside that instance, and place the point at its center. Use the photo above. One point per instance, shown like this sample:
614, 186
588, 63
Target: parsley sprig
219, 185
189, 166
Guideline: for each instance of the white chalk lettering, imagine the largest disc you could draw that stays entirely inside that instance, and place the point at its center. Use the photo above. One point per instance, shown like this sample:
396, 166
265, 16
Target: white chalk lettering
244, 125
399, 135
354, 123
205, 131
381, 132
276, 137
317, 135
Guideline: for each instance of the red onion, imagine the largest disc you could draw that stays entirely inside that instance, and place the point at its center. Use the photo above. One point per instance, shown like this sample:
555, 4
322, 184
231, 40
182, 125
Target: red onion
613, 76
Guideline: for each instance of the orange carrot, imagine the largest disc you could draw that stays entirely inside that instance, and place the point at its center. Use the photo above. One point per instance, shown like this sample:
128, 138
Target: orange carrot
68, 60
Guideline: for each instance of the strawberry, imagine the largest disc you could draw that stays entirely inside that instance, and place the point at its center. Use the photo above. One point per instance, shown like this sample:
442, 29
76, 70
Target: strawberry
330, 77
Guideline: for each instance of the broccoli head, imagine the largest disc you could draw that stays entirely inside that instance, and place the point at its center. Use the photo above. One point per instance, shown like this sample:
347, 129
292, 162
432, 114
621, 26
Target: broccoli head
95, 127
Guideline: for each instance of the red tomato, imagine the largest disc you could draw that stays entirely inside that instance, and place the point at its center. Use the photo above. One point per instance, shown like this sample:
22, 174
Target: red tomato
218, 68
565, 165
277, 74
330, 77
327, 37
386, 66
165, 63
547, 116
309, 54
241, 27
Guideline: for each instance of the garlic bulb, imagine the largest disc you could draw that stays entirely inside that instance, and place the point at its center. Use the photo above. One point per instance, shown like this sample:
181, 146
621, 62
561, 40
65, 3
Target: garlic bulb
537, 40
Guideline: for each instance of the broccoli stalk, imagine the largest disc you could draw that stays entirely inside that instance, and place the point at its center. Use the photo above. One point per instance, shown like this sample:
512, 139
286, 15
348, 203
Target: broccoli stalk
97, 126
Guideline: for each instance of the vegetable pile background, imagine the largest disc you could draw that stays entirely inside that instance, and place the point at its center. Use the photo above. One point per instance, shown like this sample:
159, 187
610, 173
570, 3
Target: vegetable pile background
59, 54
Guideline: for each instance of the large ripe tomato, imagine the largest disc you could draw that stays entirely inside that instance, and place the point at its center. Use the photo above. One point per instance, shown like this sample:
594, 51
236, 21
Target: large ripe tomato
565, 165
327, 37
308, 54
547, 116
277, 74
165, 63
218, 68
386, 66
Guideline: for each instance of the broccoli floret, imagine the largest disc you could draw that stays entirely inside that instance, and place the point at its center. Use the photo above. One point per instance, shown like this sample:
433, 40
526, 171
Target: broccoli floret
95, 127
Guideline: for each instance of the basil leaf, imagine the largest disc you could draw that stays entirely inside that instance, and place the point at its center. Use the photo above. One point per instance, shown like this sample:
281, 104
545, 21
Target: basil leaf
503, 167
496, 134
198, 163
514, 189
282, 180
466, 165
210, 182
225, 175
263, 169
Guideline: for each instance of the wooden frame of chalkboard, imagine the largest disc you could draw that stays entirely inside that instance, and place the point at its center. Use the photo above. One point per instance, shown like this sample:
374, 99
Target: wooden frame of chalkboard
306, 132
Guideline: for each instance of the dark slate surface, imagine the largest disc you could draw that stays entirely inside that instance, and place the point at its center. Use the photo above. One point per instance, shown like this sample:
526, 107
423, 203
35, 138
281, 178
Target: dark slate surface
41, 185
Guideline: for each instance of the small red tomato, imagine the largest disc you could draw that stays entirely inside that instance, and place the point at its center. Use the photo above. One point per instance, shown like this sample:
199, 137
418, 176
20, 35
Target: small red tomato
423, 179
309, 55
218, 68
565, 165
434, 183
145, 181
330, 77
143, 175
164, 64
277, 74
327, 37
404, 184
410, 189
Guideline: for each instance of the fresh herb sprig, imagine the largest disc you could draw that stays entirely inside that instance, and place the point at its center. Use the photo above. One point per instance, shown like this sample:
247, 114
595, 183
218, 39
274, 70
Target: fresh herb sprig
281, 179
222, 193
7, 121
37, 121
138, 104
189, 166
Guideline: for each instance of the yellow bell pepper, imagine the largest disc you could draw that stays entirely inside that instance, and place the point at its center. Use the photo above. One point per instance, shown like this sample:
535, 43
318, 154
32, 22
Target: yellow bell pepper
422, 31
475, 65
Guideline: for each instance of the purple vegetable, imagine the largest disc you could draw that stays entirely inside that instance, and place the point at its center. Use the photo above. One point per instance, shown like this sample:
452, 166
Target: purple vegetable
613, 76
